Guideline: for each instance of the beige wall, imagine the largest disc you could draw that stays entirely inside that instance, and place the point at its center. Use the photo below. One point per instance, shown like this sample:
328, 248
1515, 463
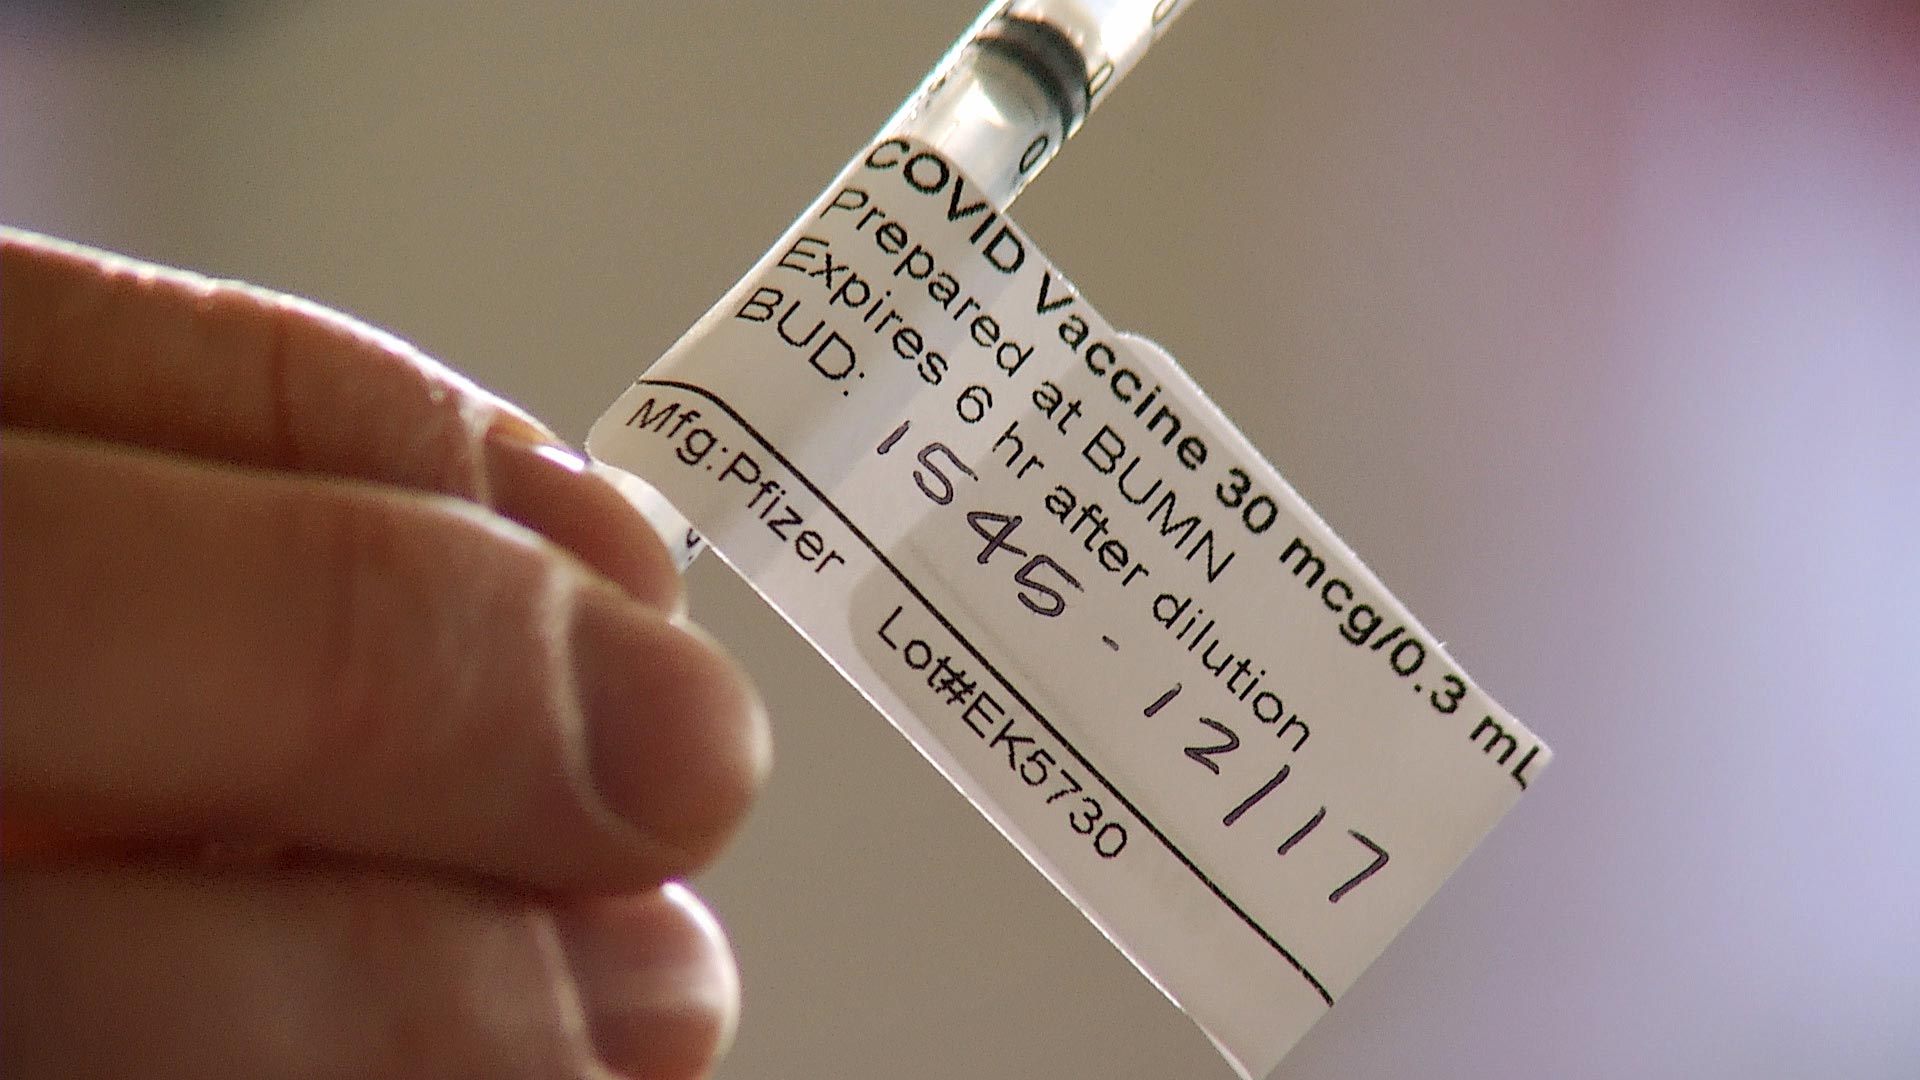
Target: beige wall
1593, 329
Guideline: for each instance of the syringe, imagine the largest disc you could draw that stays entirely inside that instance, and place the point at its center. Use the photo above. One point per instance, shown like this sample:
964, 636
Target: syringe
922, 445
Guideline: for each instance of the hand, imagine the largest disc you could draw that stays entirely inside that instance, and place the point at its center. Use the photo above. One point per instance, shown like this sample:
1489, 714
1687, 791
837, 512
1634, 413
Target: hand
352, 724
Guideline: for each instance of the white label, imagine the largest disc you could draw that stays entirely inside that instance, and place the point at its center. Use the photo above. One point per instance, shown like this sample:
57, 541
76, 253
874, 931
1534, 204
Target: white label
1053, 564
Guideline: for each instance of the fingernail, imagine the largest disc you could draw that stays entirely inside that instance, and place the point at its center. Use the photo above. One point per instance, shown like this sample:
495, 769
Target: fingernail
520, 425
677, 738
554, 492
656, 980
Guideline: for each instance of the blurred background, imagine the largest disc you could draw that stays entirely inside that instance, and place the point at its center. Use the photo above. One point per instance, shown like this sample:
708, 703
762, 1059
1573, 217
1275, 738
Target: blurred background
1595, 329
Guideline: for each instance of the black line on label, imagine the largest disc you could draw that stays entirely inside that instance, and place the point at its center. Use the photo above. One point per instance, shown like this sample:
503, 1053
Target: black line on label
886, 444
1004, 682
1161, 701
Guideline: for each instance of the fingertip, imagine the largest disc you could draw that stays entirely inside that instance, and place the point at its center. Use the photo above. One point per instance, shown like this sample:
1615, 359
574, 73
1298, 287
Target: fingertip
677, 737
548, 488
656, 979
721, 960
755, 733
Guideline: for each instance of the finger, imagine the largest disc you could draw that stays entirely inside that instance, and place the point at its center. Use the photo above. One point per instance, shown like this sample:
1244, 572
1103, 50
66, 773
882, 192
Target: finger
657, 981
150, 972
23, 841
200, 650
123, 351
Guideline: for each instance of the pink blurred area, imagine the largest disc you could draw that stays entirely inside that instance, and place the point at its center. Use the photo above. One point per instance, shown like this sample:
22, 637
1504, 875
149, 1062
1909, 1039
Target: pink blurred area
1595, 329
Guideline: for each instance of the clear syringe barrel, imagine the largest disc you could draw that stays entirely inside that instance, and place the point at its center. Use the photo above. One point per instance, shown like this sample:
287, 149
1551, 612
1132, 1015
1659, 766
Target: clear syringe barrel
1023, 79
